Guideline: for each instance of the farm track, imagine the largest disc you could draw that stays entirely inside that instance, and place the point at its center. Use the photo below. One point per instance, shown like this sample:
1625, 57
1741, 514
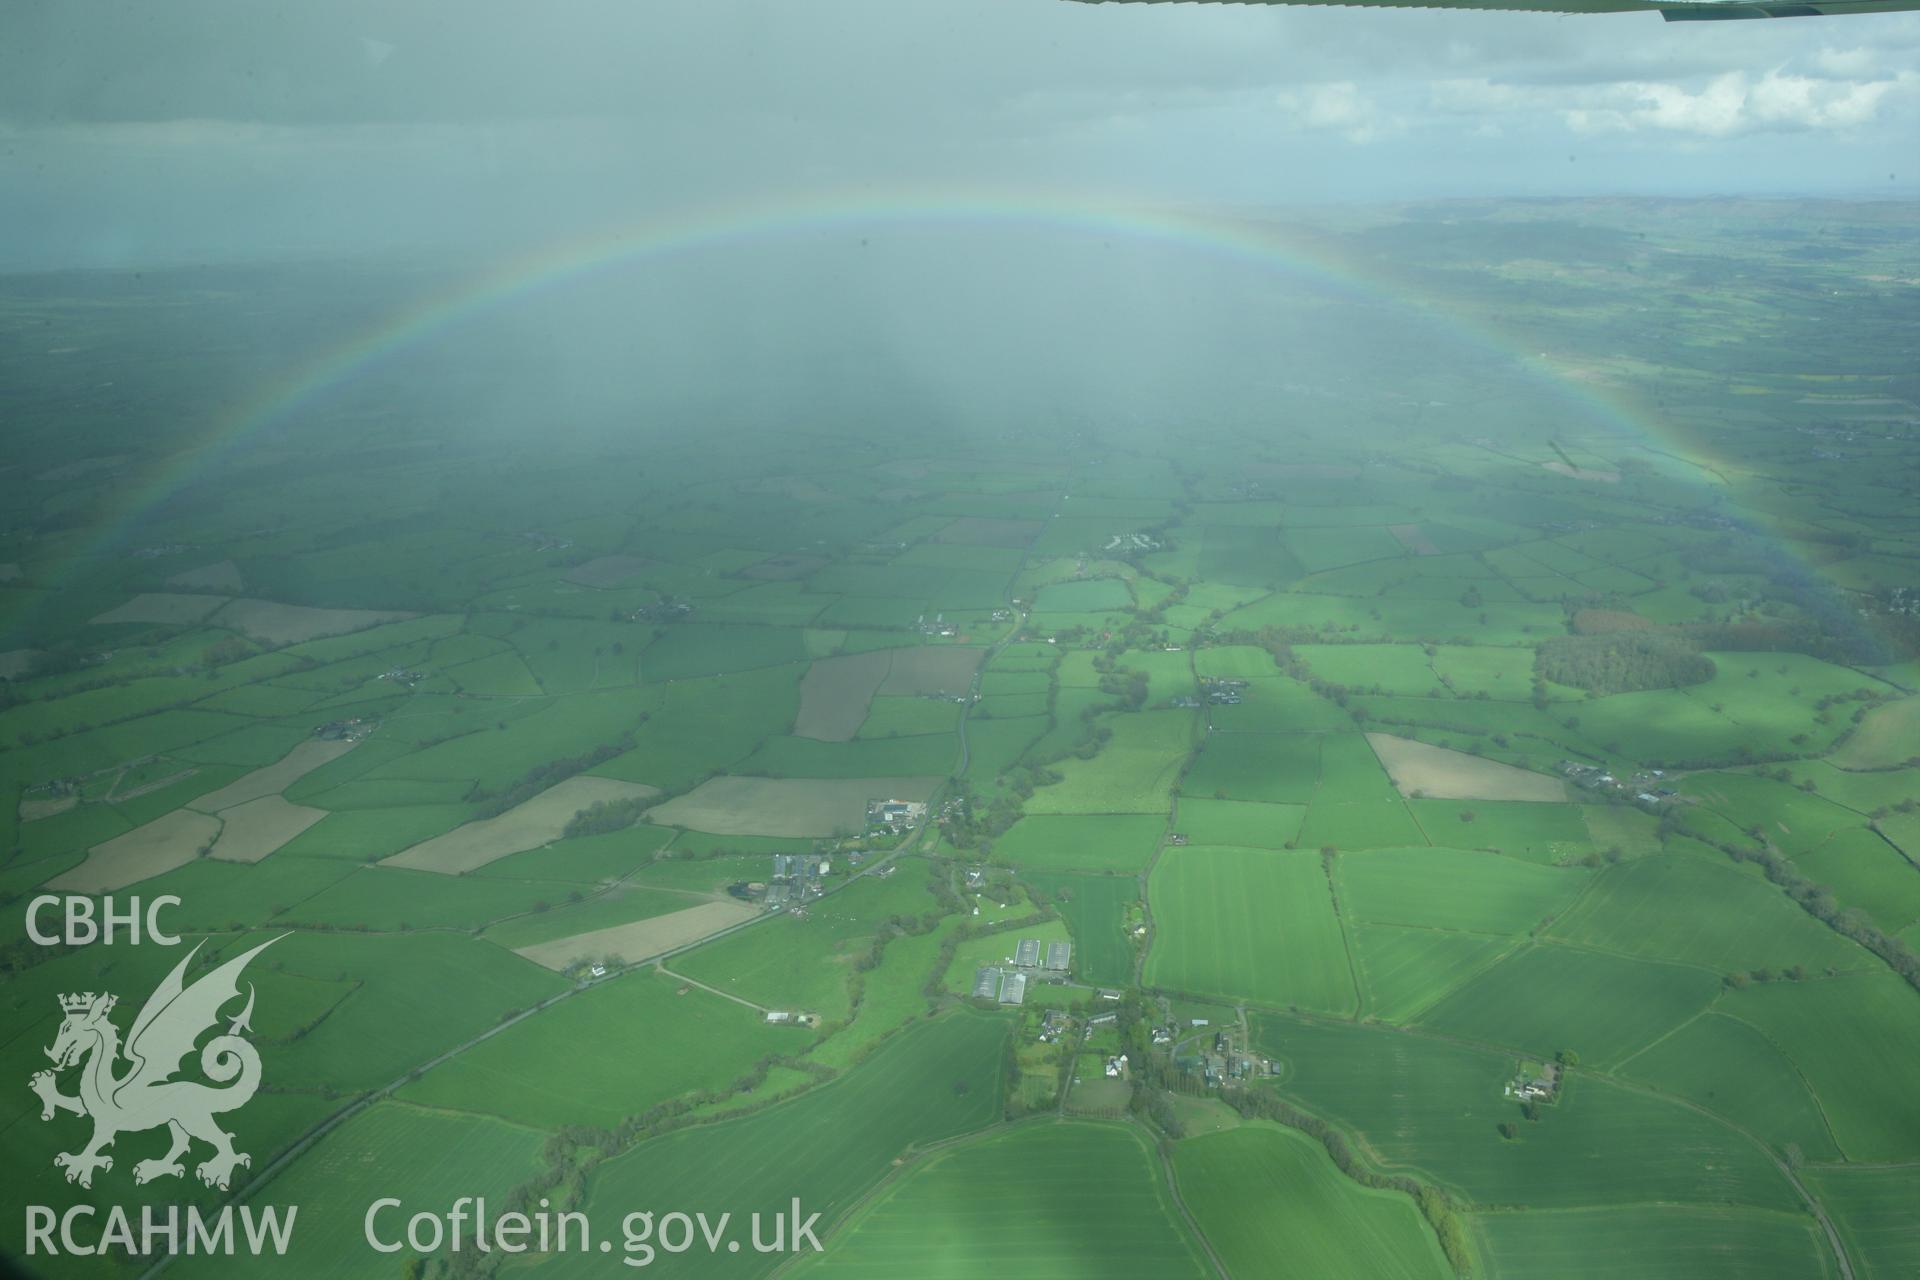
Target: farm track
695, 982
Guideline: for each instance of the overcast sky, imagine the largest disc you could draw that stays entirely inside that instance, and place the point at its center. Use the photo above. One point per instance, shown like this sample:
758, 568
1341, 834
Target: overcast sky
201, 129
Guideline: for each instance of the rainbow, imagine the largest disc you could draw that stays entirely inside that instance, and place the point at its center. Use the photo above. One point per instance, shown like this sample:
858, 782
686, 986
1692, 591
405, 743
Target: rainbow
788, 215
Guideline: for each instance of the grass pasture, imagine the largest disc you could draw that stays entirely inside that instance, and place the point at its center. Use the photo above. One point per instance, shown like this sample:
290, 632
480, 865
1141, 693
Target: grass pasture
1732, 1070
1081, 842
1867, 873
399, 900
1372, 824
927, 755
1404, 971
1656, 908
1873, 1209
804, 963
908, 717
1280, 768
1351, 772
1133, 773
1239, 822
1452, 889
1854, 1039
1095, 909
1545, 833
1084, 1198
1654, 1242
1262, 1193
1393, 668
640, 1027
693, 649
391, 1149
933, 1081
1604, 1007
399, 1013
1600, 1144
1248, 924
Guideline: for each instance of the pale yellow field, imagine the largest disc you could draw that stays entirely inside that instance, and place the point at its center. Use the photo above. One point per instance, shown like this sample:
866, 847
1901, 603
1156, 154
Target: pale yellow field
784, 806
274, 778
271, 623
1413, 540
223, 576
1454, 775
163, 607
641, 939
835, 694
525, 826
34, 810
169, 841
255, 829
946, 668
609, 571
1582, 473
116, 795
1887, 736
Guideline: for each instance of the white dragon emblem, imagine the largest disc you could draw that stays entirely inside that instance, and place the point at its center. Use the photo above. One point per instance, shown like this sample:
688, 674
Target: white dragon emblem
145, 1095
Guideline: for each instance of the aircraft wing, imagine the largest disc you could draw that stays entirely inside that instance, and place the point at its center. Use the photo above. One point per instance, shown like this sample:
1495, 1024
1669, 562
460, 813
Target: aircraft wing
1682, 11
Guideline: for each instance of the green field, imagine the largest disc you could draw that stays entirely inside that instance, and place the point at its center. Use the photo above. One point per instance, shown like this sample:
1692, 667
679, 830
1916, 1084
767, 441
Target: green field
1606, 1007
1281, 768
1403, 971
1850, 1037
1094, 908
1653, 1241
804, 964
1453, 890
535, 1073
1731, 1069
420, 1156
1601, 1144
1264, 1194
1237, 822
1873, 1209
1650, 908
830, 1145
1133, 545
1248, 924
1090, 842
1133, 773
1042, 1199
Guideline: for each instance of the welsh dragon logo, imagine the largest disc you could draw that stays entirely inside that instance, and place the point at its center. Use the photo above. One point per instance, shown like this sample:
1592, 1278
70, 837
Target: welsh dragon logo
145, 1095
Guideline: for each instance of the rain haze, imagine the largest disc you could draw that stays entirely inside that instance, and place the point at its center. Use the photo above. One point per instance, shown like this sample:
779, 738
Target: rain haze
210, 129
